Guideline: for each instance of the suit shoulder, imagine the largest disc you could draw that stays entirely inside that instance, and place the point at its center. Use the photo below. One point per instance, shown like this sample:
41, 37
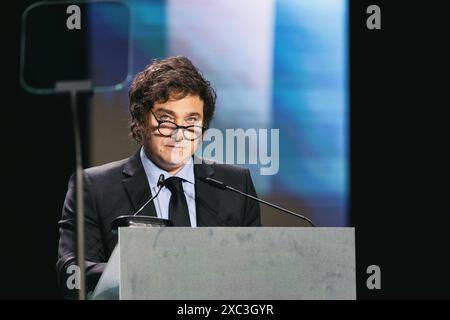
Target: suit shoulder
222, 167
106, 170
229, 168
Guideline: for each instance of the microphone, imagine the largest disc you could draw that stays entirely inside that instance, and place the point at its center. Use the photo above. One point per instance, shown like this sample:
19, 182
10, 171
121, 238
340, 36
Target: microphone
160, 184
221, 185
142, 221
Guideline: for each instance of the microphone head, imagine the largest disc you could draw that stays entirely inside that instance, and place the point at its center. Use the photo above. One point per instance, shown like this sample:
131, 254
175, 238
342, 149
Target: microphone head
214, 182
160, 181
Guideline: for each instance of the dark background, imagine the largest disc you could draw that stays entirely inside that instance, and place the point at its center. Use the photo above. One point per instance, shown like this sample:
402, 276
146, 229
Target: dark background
398, 163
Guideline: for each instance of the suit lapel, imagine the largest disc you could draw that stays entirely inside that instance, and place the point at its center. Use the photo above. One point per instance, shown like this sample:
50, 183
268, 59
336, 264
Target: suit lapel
136, 185
207, 198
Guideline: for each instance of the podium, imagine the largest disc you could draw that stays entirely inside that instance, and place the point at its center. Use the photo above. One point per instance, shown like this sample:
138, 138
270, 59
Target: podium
230, 263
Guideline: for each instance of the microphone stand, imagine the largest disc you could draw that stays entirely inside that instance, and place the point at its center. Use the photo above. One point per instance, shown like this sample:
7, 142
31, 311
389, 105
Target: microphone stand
73, 87
143, 221
222, 185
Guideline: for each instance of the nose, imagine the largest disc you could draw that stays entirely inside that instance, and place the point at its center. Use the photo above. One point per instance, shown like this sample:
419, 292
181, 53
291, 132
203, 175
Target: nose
177, 135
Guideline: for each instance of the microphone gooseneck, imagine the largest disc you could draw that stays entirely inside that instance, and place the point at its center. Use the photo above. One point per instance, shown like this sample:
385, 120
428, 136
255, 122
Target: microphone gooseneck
160, 185
144, 220
221, 185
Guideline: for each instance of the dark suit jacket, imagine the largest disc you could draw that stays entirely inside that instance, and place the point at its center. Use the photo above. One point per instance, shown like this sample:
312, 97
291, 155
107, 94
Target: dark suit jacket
121, 188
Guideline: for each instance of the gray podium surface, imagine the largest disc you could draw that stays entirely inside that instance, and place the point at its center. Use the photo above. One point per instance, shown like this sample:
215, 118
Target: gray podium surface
228, 263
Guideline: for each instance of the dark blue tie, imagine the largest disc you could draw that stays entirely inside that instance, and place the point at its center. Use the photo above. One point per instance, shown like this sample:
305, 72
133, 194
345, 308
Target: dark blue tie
178, 208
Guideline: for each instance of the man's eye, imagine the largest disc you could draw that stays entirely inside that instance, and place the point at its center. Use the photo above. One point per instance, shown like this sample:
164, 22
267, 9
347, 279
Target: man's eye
165, 118
192, 120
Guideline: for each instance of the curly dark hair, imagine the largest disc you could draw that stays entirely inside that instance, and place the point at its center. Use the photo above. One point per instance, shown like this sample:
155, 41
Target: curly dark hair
163, 79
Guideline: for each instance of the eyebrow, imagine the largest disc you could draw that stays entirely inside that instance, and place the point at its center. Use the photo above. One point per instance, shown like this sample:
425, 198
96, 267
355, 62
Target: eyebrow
190, 114
166, 111
194, 114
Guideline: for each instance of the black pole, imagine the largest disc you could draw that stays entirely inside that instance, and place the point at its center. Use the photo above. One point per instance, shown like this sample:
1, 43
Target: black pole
79, 197
73, 87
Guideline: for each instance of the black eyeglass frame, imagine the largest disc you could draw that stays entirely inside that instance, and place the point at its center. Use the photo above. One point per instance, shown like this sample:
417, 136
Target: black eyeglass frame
177, 127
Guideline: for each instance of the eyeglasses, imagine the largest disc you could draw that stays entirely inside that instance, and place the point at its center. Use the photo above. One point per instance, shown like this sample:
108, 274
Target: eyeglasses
169, 128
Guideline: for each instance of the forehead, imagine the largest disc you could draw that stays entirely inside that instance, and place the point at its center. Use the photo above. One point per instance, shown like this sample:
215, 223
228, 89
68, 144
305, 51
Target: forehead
186, 105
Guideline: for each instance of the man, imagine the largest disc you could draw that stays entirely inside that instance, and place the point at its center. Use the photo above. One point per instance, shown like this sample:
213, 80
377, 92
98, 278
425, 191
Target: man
171, 105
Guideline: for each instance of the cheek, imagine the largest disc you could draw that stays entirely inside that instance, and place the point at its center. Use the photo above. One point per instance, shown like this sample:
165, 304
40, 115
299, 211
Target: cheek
153, 142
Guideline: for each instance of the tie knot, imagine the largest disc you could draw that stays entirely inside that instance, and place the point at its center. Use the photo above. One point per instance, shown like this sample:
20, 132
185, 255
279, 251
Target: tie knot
174, 184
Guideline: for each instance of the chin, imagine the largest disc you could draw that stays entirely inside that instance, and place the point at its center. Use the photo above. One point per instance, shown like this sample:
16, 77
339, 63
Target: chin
175, 161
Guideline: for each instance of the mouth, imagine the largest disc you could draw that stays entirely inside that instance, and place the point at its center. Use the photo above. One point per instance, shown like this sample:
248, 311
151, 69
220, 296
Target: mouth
174, 146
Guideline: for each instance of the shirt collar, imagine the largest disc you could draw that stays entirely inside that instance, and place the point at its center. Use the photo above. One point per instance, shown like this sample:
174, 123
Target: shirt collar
153, 171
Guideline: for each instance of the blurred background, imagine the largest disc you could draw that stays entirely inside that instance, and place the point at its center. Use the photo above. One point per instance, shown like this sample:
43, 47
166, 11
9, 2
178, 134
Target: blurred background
276, 64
